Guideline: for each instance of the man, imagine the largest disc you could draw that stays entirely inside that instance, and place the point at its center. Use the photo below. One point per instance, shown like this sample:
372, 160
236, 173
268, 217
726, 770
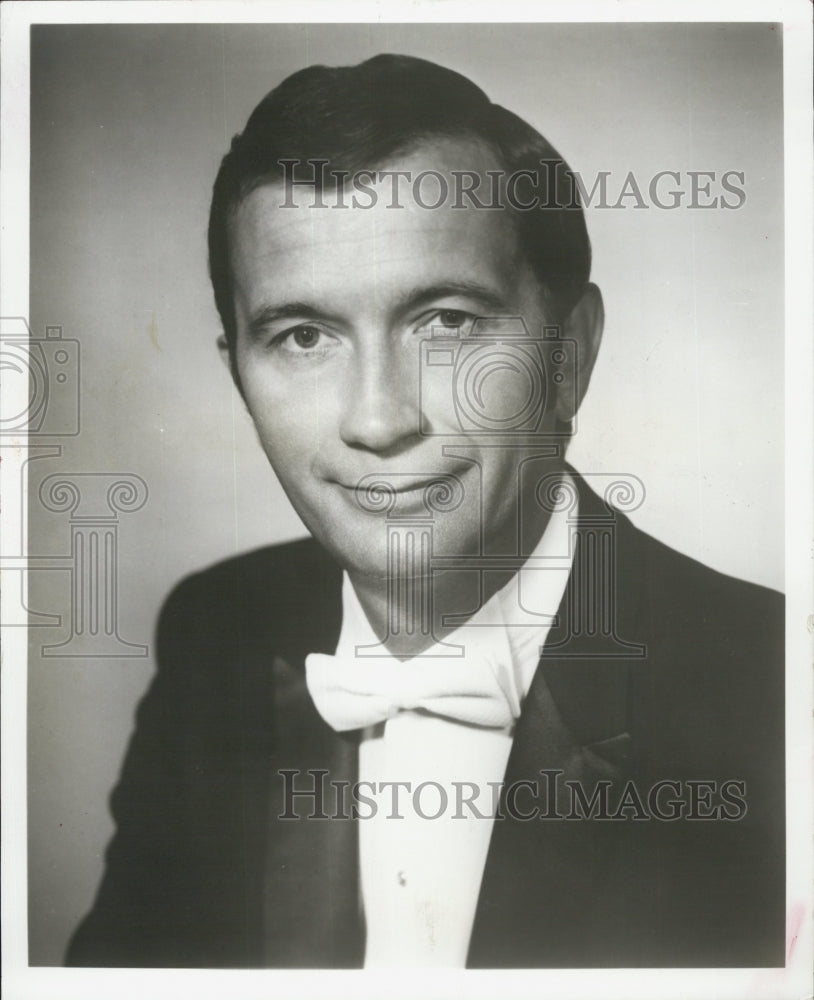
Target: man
401, 269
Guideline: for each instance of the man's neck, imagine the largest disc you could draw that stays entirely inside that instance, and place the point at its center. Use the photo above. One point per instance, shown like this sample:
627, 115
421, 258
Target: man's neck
393, 606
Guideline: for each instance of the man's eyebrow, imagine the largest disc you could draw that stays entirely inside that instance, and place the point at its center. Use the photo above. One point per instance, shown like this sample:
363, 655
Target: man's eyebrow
485, 296
286, 310
414, 298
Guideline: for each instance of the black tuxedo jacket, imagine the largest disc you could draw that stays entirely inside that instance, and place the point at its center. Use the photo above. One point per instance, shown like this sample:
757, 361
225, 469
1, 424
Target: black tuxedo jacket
202, 872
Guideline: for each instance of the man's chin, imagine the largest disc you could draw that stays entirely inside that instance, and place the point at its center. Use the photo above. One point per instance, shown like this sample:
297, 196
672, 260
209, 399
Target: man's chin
357, 550
388, 551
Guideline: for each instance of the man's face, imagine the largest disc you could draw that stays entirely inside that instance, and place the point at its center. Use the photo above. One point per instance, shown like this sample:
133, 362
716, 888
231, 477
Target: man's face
332, 306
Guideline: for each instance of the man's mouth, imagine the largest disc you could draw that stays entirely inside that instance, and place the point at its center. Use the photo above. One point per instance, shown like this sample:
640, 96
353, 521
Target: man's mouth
371, 491
401, 482
416, 485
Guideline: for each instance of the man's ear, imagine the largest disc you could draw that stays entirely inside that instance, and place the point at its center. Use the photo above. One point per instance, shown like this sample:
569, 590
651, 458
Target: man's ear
226, 358
584, 325
223, 350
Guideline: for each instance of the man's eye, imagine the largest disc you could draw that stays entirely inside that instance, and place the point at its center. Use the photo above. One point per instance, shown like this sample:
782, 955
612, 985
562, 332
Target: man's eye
453, 318
299, 338
305, 337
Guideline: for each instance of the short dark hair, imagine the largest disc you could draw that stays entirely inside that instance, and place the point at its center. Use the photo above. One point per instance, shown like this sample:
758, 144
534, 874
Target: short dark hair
357, 117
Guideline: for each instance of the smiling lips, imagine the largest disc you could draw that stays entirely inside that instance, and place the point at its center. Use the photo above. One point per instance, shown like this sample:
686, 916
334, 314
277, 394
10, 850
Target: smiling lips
416, 486
399, 482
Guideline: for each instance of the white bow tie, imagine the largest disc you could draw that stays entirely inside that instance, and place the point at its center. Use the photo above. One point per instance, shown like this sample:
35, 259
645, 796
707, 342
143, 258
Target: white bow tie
353, 692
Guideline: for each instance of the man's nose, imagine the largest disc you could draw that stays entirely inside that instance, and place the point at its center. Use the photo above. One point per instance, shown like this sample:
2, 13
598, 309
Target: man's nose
380, 411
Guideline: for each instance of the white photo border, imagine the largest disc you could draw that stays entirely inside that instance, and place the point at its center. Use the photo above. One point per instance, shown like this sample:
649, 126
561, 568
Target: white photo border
21, 981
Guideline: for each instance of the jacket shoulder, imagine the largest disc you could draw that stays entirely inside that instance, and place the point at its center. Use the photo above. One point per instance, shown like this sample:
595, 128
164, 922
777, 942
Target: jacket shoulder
711, 685
684, 590
273, 569
277, 597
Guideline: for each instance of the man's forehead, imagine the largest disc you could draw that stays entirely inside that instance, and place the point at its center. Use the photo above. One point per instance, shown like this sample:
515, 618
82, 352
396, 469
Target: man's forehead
402, 218
430, 176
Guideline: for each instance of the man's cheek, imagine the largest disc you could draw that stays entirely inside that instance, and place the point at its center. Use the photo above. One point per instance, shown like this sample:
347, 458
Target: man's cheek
288, 449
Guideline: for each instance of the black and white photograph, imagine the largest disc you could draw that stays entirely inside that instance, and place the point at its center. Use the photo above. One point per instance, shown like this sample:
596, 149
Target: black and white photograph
406, 500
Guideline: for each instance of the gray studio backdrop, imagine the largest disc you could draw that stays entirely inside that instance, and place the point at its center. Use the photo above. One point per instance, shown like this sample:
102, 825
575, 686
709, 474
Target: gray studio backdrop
128, 125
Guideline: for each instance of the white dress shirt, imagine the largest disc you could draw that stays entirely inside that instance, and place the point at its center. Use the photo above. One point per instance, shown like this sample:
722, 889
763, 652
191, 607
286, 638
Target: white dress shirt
421, 876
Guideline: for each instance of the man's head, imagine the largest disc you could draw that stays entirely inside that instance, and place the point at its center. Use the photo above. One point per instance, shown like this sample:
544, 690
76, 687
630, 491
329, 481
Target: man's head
325, 305
359, 117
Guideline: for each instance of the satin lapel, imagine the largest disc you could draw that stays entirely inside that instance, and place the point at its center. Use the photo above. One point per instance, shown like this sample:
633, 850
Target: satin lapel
312, 876
543, 876
548, 890
311, 884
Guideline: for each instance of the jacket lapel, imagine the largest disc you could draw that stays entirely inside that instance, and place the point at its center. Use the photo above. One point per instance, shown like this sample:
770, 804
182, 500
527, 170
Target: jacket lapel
312, 911
540, 886
550, 886
311, 879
